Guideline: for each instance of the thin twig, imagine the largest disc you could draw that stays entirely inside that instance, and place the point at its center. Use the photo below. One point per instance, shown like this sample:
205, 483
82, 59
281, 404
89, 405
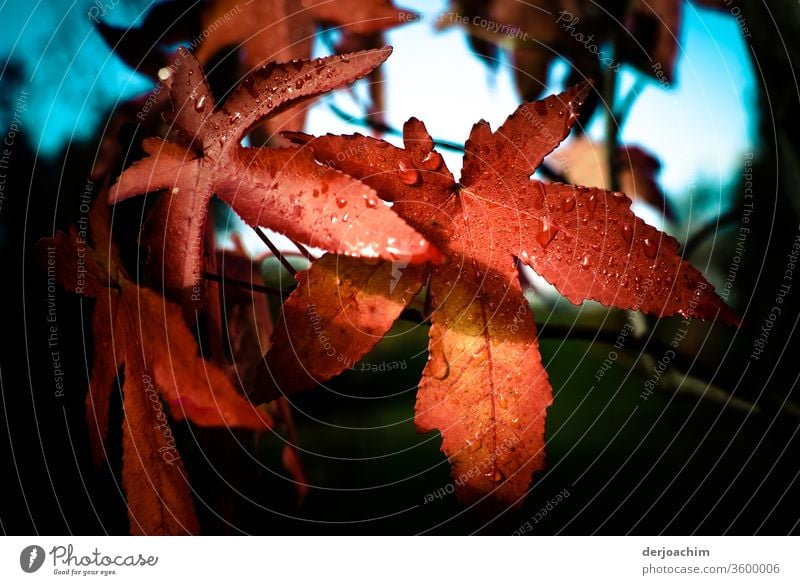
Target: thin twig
277, 253
612, 125
386, 129
624, 109
303, 250
228, 281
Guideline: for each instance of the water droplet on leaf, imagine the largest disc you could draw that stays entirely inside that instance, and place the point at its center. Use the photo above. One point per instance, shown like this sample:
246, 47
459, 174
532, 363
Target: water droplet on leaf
439, 368
546, 233
627, 234
408, 174
433, 162
650, 248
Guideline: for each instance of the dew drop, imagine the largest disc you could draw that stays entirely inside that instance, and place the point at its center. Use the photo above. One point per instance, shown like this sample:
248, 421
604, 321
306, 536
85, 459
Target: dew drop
591, 203
341, 202
334, 219
650, 248
439, 368
370, 202
299, 83
547, 232
473, 446
619, 199
502, 402
495, 475
515, 423
315, 193
200, 103
627, 234
164, 73
234, 117
345, 217
585, 262
250, 86
433, 162
568, 204
408, 174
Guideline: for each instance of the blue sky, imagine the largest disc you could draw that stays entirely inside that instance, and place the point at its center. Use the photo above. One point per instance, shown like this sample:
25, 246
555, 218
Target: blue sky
700, 128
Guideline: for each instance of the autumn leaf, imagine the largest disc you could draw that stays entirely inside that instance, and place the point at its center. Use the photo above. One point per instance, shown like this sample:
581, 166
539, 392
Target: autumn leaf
283, 189
484, 386
249, 324
262, 31
336, 297
141, 334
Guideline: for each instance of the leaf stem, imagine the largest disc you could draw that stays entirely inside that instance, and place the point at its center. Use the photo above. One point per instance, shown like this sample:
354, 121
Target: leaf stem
303, 250
272, 248
227, 280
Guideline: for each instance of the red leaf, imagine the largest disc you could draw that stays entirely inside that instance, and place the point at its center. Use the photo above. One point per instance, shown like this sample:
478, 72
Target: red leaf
247, 311
283, 189
484, 386
136, 329
341, 308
